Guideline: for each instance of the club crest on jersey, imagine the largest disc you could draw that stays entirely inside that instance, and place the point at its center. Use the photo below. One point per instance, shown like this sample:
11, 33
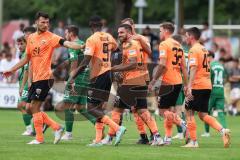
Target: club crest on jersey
38, 91
162, 52
43, 42
132, 52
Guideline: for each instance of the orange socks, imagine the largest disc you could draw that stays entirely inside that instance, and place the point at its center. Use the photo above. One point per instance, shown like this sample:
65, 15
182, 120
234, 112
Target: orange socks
99, 131
169, 119
106, 120
140, 123
150, 121
116, 117
168, 123
192, 127
47, 120
38, 125
212, 122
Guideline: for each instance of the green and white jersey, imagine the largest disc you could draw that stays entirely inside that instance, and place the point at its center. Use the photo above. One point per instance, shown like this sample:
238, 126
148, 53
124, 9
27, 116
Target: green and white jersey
217, 79
21, 71
78, 55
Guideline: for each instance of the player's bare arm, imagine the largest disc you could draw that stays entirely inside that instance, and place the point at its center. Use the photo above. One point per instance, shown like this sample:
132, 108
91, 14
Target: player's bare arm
24, 81
86, 60
73, 45
161, 69
145, 45
185, 74
19, 65
193, 71
126, 67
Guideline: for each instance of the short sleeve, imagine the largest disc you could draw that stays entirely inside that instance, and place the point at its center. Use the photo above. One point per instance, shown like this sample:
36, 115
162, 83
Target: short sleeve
162, 50
192, 59
55, 41
90, 47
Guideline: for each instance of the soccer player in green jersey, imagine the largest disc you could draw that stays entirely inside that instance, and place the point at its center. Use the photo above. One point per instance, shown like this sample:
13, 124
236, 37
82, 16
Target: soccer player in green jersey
23, 88
78, 100
216, 101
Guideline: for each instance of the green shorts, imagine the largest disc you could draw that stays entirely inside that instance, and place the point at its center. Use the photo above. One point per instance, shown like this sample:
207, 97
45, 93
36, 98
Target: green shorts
216, 103
80, 97
180, 99
24, 96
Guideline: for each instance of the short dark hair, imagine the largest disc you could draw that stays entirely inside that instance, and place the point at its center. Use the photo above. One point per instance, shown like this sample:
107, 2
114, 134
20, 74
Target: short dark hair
21, 39
222, 50
95, 22
130, 20
178, 38
205, 23
195, 32
41, 14
211, 54
73, 29
127, 27
168, 26
29, 29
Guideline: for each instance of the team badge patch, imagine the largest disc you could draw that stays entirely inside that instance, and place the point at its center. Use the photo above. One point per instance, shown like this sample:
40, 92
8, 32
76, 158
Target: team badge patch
38, 91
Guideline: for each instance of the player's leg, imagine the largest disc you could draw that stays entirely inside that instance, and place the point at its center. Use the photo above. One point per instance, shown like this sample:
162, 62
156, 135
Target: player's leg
68, 109
100, 89
147, 118
26, 117
116, 115
220, 112
179, 109
191, 127
170, 118
38, 93
203, 115
140, 127
211, 105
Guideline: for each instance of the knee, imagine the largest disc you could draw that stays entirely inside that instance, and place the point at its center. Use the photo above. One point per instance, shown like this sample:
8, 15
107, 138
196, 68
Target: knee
201, 115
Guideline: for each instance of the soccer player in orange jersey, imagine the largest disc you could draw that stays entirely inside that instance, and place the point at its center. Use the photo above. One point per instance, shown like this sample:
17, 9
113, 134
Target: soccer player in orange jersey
99, 46
39, 50
171, 65
146, 54
133, 82
199, 89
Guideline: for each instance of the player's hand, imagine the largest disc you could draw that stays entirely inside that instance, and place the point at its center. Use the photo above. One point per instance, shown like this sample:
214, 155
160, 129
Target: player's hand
185, 90
118, 77
20, 91
72, 87
188, 94
7, 73
151, 85
136, 37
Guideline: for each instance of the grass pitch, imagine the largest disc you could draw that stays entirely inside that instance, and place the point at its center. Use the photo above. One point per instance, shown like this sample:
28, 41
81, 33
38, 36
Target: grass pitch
13, 146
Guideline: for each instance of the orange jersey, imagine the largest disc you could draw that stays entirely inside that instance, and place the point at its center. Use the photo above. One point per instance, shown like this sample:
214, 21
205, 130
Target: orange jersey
100, 45
172, 51
40, 49
132, 49
198, 56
